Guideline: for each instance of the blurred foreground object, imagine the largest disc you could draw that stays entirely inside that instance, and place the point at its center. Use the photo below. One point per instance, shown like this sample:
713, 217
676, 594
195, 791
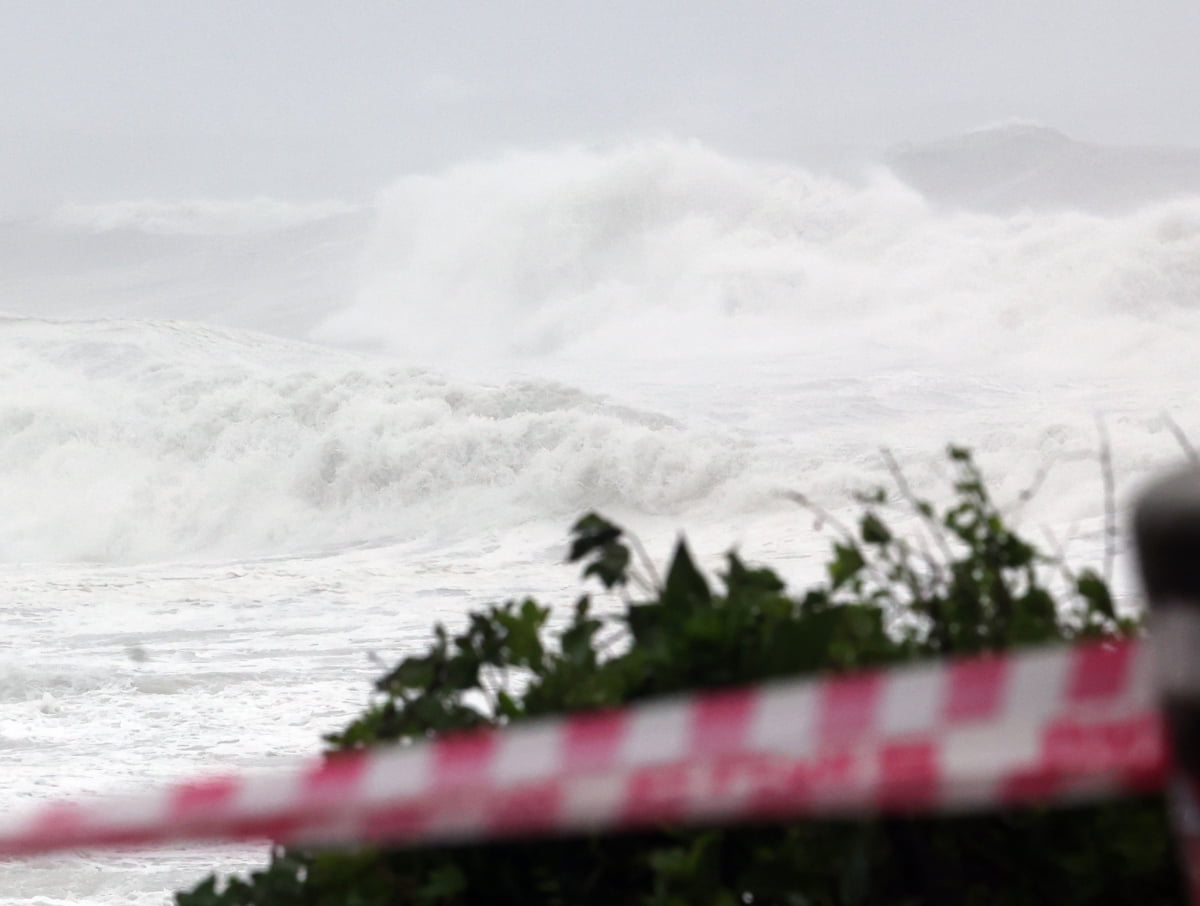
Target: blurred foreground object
1167, 528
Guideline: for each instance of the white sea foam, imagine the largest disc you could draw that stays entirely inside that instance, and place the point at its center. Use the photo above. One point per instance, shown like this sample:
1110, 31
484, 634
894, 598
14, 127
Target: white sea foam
133, 440
667, 249
812, 319
659, 331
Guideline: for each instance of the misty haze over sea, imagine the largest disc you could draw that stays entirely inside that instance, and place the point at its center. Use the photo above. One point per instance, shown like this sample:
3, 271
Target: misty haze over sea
319, 326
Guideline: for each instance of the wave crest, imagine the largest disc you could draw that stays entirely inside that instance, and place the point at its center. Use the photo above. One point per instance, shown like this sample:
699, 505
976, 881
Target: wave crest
131, 441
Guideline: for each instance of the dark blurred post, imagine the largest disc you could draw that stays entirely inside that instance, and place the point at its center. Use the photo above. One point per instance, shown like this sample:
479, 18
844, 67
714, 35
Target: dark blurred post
1167, 528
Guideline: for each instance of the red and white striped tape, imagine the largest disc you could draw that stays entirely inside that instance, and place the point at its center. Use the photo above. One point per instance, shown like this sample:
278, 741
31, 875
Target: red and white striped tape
987, 732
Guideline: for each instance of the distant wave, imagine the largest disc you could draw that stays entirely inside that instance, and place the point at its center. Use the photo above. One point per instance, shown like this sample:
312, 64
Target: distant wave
1014, 166
669, 247
809, 318
127, 441
654, 249
197, 217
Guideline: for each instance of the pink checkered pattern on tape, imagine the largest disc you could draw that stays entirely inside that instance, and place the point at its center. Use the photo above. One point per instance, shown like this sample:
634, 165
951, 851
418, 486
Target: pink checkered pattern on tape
1045, 725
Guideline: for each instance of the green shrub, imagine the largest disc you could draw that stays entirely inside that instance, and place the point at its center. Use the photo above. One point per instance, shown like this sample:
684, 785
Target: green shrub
972, 584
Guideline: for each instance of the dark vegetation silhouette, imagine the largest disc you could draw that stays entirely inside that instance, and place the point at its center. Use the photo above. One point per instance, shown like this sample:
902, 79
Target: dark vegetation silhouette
966, 582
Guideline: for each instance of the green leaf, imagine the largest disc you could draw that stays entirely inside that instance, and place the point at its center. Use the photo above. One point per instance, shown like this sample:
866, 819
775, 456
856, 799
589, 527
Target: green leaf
846, 564
591, 532
506, 706
611, 567
462, 672
798, 645
1094, 590
522, 633
576, 641
444, 881
672, 862
410, 673
203, 894
874, 531
856, 873
739, 578
704, 626
646, 623
685, 586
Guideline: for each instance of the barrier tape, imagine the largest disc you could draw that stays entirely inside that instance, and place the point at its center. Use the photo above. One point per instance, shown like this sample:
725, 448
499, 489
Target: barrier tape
995, 731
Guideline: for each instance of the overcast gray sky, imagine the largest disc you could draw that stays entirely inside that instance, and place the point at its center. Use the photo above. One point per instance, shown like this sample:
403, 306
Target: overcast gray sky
302, 98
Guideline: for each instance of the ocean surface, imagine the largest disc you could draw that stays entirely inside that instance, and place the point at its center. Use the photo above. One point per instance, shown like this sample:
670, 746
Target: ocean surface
251, 449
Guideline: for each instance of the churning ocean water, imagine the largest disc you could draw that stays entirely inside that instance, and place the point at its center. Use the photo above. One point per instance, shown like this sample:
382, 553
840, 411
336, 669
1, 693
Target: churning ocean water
249, 448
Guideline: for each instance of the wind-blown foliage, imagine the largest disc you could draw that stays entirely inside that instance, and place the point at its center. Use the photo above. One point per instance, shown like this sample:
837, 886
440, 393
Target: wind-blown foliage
972, 584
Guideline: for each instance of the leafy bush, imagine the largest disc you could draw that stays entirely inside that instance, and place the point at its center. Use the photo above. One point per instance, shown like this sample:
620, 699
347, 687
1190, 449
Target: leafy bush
971, 584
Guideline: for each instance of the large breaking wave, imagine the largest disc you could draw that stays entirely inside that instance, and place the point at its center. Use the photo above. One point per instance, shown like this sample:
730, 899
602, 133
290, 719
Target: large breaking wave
675, 249
128, 440
818, 316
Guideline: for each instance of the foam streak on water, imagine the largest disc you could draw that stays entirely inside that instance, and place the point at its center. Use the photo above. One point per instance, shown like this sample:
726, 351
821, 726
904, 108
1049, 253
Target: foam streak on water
245, 444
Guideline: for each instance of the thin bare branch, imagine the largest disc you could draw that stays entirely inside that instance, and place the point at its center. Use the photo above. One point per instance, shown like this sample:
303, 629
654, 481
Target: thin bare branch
647, 563
1182, 439
620, 634
1060, 553
489, 687
1031, 491
645, 584
824, 517
1110, 500
906, 491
